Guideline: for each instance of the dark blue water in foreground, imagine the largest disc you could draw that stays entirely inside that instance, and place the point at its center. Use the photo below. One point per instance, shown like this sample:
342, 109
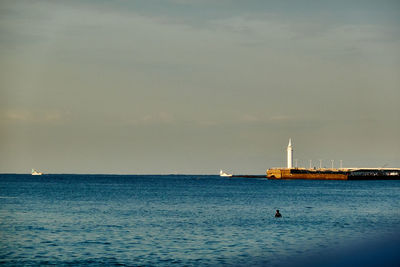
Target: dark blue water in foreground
185, 220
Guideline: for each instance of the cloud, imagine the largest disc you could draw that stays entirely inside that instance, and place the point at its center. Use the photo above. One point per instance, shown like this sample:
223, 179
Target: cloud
250, 118
274, 31
27, 116
161, 117
18, 115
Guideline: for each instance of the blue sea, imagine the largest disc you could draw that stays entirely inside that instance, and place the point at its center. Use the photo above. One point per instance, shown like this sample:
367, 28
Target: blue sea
188, 220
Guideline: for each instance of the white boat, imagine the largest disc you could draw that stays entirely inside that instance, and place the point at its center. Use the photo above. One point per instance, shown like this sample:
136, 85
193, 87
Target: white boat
224, 174
35, 172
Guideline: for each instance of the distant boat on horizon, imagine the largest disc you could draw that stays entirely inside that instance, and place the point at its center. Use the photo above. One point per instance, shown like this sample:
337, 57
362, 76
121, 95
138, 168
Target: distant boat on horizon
35, 172
224, 174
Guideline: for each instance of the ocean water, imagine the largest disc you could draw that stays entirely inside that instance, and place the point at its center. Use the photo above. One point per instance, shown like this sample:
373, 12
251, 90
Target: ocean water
191, 220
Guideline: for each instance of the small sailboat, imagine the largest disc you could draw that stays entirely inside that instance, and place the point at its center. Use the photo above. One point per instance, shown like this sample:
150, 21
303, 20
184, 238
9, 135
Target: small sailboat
224, 174
35, 172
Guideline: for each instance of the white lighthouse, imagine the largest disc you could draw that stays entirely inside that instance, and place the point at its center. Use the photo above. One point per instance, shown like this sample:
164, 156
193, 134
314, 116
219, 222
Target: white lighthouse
290, 155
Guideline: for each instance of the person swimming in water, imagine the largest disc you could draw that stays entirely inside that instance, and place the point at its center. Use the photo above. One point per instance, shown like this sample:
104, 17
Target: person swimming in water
277, 214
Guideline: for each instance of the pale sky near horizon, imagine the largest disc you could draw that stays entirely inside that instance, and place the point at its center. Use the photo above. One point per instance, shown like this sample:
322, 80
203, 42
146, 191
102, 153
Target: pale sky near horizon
194, 86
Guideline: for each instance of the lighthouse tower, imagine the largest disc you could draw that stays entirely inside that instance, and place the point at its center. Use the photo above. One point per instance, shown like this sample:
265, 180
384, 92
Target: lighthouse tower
290, 155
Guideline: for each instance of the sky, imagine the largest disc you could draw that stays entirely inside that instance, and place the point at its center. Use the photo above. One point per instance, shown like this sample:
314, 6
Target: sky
195, 86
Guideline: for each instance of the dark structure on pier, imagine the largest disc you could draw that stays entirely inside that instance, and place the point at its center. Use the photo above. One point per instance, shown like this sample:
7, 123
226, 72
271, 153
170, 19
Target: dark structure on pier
334, 174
